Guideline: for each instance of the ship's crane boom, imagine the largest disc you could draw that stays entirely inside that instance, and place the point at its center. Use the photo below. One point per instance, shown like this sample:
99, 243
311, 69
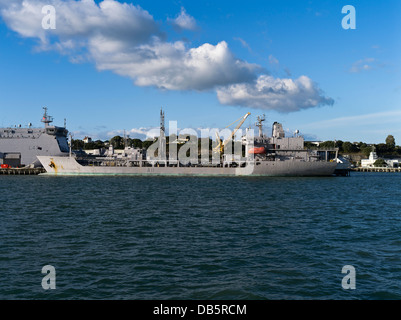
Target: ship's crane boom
221, 145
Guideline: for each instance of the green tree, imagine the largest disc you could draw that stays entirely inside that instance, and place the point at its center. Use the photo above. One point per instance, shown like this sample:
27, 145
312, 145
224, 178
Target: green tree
366, 150
98, 144
362, 145
327, 144
383, 148
339, 144
380, 163
147, 143
117, 142
135, 143
89, 146
309, 145
77, 144
349, 147
390, 142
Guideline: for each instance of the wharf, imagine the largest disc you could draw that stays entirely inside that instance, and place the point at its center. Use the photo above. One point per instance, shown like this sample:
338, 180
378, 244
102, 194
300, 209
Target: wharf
377, 169
21, 171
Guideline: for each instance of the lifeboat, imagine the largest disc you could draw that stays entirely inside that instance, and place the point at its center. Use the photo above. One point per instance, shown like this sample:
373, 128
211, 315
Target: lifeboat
257, 150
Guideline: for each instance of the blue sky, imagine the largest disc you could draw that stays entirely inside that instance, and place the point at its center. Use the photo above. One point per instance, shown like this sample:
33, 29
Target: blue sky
110, 65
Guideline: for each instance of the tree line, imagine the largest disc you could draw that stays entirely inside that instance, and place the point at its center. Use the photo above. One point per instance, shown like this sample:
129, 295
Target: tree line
117, 142
388, 148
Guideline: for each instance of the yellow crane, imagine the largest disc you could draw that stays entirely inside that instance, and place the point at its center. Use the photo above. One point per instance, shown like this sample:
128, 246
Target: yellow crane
221, 145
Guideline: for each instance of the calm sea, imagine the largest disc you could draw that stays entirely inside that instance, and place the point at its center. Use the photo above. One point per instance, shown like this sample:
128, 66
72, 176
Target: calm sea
201, 238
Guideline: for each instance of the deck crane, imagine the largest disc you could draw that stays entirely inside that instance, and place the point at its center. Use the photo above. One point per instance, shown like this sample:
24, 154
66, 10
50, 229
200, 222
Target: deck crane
221, 145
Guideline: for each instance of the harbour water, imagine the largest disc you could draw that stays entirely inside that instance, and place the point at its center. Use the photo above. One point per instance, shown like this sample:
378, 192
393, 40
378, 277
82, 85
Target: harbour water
201, 238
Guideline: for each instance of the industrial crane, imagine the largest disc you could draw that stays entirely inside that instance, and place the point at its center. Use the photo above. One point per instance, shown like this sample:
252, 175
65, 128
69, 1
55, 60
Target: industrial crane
221, 145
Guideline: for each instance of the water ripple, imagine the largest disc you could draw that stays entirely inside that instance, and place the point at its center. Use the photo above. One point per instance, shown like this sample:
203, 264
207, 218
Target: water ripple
200, 238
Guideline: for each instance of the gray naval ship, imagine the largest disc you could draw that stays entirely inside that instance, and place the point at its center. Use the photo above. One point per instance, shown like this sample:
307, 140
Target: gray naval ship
19, 147
259, 155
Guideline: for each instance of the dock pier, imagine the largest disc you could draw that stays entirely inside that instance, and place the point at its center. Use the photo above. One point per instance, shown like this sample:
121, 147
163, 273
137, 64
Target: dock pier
21, 171
376, 169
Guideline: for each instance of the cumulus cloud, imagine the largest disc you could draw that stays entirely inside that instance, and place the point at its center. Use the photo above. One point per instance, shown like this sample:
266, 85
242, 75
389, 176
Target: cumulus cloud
172, 66
269, 93
79, 22
125, 39
183, 21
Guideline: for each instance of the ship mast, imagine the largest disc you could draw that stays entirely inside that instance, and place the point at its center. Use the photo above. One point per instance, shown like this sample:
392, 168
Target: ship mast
46, 118
260, 125
162, 127
70, 145
162, 137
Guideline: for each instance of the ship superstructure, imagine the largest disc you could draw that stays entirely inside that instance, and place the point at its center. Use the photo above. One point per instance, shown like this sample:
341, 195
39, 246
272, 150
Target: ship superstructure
259, 155
20, 146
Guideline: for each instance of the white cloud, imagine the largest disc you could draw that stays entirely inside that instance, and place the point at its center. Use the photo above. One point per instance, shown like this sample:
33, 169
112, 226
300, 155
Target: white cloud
243, 43
78, 22
273, 60
370, 119
135, 133
125, 39
365, 65
172, 66
183, 21
269, 93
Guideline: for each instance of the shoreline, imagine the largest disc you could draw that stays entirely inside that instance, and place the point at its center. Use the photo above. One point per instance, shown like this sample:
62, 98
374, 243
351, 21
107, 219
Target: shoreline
376, 169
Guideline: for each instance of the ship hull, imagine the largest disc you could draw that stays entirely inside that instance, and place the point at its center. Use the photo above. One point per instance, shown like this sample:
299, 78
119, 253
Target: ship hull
28, 143
29, 149
69, 166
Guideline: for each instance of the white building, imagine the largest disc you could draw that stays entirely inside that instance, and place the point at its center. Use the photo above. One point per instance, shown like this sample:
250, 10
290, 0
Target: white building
87, 139
393, 163
369, 163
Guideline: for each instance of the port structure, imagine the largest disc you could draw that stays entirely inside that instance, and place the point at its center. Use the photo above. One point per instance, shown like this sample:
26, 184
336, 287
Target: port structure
220, 145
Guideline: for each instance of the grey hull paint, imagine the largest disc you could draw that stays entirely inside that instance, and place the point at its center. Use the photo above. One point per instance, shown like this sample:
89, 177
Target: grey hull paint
69, 166
30, 143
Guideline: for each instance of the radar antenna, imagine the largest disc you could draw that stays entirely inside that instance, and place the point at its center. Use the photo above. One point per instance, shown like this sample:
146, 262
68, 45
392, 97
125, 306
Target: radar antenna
46, 118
